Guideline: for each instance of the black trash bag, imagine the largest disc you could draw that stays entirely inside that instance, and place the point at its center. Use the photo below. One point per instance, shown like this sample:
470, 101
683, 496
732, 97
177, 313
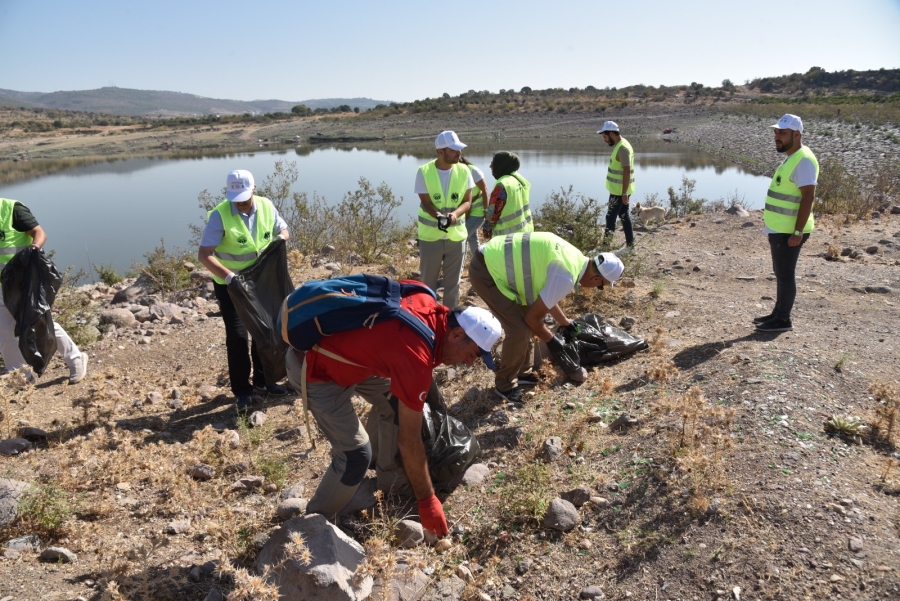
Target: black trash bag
599, 342
30, 282
450, 446
257, 293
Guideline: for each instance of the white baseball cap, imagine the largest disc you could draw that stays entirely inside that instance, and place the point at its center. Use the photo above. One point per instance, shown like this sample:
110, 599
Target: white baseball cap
483, 328
609, 266
608, 126
448, 139
790, 121
239, 186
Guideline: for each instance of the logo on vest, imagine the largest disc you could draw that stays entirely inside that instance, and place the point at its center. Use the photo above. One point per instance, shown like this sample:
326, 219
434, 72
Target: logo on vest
778, 179
242, 240
2, 235
455, 196
267, 236
436, 196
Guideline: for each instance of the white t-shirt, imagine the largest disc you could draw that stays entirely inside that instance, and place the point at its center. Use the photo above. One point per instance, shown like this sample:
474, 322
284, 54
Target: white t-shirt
804, 174
559, 283
444, 176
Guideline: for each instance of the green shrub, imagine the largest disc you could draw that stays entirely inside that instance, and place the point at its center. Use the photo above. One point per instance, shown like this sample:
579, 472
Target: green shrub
579, 219
166, 269
366, 222
72, 309
683, 203
525, 495
46, 509
107, 274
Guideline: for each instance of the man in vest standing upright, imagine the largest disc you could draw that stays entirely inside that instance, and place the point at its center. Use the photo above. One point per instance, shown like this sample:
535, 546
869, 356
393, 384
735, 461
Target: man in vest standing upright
522, 277
238, 230
444, 187
508, 211
788, 216
19, 230
619, 181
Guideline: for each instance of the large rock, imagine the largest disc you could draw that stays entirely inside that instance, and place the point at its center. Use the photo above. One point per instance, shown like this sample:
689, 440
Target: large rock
737, 210
14, 446
552, 449
409, 533
121, 318
164, 311
561, 515
330, 573
142, 286
58, 555
475, 475
11, 492
292, 507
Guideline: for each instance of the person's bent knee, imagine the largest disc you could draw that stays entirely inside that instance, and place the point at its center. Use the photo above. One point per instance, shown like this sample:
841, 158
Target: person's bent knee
358, 461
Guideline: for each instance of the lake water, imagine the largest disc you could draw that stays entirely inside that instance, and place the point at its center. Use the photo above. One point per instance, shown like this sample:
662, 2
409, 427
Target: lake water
114, 211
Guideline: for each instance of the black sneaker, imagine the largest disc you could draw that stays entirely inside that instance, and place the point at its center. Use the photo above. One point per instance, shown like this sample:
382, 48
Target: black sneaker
528, 380
511, 396
775, 325
270, 389
764, 318
244, 404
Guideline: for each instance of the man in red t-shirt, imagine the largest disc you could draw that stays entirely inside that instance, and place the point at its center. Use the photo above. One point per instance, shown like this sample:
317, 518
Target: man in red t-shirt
390, 366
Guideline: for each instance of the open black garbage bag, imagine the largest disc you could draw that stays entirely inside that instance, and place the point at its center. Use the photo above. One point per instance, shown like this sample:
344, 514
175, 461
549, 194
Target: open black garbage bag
30, 282
599, 342
450, 446
257, 293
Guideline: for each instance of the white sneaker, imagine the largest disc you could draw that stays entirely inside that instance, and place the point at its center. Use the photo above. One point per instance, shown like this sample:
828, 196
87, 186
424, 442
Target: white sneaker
78, 369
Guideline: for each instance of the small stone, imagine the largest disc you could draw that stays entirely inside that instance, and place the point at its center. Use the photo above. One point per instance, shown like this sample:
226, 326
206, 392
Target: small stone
747, 224
577, 496
251, 481
872, 250
579, 375
32, 434
442, 545
258, 418
178, 527
176, 404
877, 289
293, 492
626, 323
475, 474
697, 268
836, 578
552, 449
464, 573
561, 515
599, 502
123, 486
409, 533
499, 417
229, 438
591, 592
194, 574
154, 398
58, 554
746, 278
236, 468
623, 422
472, 394
855, 544
201, 471
524, 566
24, 544
291, 508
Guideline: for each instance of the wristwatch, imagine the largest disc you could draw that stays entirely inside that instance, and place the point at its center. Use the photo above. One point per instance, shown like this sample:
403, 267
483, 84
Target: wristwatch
798, 233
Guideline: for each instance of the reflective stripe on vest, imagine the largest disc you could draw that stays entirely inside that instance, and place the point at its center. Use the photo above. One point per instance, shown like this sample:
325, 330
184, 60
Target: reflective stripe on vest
616, 171
477, 198
784, 196
459, 181
518, 263
239, 248
11, 241
516, 216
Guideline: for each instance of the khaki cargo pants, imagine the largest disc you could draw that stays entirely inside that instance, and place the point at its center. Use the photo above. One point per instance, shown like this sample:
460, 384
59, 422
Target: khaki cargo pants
354, 448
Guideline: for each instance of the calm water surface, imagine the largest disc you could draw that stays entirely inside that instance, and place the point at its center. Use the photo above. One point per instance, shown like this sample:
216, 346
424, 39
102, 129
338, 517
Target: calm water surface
112, 212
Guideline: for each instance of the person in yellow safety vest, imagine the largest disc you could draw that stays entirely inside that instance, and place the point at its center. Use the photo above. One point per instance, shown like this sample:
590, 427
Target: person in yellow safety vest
237, 231
522, 277
619, 181
18, 230
444, 187
475, 216
788, 216
508, 211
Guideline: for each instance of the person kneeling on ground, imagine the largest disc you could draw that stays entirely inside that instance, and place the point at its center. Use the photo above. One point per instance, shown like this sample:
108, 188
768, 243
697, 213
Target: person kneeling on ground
394, 377
522, 277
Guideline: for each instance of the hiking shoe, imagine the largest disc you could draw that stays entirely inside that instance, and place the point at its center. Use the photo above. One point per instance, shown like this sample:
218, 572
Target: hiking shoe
511, 396
78, 369
775, 325
270, 389
764, 318
244, 404
528, 380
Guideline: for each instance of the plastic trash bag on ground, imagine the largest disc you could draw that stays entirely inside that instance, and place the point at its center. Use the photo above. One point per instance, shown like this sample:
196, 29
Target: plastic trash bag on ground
257, 293
450, 446
599, 342
30, 282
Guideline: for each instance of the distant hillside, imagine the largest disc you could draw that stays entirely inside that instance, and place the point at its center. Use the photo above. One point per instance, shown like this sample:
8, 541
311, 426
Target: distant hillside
125, 101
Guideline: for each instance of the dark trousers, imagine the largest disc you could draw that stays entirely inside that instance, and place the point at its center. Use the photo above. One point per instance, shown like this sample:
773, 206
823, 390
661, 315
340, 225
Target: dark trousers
784, 264
236, 339
618, 209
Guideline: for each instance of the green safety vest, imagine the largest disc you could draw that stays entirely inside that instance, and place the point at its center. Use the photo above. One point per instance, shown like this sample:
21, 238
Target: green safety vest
478, 201
516, 215
11, 241
459, 185
238, 248
783, 198
615, 172
518, 263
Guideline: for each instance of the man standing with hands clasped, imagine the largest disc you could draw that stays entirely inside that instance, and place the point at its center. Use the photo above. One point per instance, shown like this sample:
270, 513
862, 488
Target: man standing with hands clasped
619, 181
788, 216
444, 187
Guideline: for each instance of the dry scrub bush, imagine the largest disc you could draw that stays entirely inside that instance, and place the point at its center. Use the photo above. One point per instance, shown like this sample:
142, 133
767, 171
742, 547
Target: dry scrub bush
888, 410
525, 495
699, 441
840, 192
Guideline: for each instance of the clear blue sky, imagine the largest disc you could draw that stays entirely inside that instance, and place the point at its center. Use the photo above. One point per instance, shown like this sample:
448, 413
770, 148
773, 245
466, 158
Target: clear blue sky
402, 50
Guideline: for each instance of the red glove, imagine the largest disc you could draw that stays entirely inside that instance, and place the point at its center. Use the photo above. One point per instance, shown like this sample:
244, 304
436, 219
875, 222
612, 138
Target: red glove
431, 513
